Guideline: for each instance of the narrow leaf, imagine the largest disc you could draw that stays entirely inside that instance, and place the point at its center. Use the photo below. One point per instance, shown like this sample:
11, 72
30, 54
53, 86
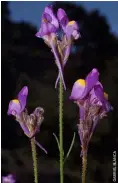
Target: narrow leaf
57, 141
41, 147
72, 143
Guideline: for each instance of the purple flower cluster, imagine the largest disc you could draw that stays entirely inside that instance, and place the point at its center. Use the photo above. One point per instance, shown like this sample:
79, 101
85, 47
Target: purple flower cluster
50, 26
93, 105
29, 123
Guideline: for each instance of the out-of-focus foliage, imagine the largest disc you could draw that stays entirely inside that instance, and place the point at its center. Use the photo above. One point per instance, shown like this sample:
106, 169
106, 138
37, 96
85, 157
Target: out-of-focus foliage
26, 60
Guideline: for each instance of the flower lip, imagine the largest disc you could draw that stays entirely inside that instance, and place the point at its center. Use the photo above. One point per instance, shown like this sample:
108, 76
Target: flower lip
81, 87
71, 22
81, 82
16, 101
16, 106
78, 89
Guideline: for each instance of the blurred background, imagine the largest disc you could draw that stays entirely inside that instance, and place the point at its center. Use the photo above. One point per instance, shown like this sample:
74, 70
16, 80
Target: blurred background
26, 60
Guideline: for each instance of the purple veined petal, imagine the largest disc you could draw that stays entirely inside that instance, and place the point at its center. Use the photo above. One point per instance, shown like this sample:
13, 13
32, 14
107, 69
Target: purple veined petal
22, 97
58, 64
41, 147
51, 17
91, 80
63, 19
14, 107
78, 89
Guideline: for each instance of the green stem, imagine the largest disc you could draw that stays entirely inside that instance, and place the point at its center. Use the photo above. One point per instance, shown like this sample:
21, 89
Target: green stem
61, 129
33, 146
84, 167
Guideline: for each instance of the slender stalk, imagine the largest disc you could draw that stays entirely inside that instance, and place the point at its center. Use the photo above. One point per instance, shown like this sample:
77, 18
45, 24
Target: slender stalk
33, 146
61, 129
84, 167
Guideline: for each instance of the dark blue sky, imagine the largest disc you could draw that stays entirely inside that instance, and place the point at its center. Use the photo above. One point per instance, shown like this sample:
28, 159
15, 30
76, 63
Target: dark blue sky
31, 11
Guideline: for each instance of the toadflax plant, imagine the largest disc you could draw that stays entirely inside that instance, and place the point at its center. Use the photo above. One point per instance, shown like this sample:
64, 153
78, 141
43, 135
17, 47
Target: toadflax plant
50, 26
93, 105
29, 123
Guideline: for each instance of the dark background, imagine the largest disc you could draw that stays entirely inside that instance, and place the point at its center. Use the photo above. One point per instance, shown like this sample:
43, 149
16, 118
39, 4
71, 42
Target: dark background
26, 60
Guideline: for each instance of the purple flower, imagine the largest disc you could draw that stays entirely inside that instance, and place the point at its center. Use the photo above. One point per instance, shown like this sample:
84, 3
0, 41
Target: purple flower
71, 32
16, 106
29, 123
8, 179
60, 48
48, 30
49, 25
93, 103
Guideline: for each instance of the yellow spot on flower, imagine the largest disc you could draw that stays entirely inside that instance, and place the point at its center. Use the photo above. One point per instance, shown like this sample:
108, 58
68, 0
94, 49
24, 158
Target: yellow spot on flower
71, 22
15, 101
81, 82
106, 95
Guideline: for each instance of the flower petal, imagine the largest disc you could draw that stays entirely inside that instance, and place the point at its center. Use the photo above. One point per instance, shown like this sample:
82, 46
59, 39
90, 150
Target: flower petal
63, 18
14, 107
49, 23
50, 17
78, 89
100, 95
72, 29
22, 97
91, 80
